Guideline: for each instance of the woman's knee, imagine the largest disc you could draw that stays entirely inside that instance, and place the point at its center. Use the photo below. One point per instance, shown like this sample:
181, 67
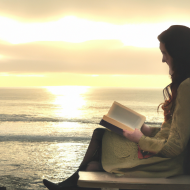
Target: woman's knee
99, 131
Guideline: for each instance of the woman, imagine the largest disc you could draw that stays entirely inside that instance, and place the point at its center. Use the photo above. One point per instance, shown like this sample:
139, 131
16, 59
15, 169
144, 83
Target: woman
151, 152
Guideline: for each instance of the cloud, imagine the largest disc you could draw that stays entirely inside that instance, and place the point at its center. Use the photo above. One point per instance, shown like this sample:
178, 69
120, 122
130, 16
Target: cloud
75, 30
115, 11
92, 57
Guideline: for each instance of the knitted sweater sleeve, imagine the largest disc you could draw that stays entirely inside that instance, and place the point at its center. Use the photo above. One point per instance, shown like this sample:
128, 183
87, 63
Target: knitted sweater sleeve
155, 130
179, 128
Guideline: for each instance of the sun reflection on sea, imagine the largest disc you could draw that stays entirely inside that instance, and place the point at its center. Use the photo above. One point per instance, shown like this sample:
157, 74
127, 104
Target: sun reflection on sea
68, 99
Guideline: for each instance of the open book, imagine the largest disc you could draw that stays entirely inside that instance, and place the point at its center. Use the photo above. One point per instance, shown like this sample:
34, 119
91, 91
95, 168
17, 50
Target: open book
120, 117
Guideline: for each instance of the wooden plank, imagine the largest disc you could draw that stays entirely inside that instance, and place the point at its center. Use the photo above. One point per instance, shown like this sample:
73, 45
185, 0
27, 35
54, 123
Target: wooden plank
107, 180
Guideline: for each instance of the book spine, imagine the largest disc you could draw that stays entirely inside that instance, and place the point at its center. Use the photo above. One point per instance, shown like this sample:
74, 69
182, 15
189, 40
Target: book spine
113, 128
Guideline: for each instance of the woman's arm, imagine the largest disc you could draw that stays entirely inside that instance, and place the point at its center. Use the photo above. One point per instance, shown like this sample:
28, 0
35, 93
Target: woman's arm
179, 128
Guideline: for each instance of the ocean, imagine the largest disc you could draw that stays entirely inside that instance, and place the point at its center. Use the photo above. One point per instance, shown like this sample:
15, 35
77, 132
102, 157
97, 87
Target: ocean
45, 131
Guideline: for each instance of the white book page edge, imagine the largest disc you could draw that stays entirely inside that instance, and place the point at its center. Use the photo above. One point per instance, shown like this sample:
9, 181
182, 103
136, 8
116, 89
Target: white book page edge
142, 117
124, 107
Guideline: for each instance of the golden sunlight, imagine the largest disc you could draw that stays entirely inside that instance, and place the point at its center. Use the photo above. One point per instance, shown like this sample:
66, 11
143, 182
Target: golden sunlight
62, 79
69, 99
76, 30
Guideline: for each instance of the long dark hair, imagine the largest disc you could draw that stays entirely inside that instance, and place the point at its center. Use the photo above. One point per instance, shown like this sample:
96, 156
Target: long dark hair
177, 43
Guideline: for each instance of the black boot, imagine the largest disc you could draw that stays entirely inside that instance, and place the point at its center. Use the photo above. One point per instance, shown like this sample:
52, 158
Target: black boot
50, 185
70, 182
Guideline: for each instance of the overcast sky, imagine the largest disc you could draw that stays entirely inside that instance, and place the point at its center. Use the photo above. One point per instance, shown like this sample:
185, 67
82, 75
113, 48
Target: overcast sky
114, 11
115, 37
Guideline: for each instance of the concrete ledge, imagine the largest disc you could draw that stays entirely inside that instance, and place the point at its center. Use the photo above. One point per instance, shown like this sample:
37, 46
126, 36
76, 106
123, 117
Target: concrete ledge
107, 180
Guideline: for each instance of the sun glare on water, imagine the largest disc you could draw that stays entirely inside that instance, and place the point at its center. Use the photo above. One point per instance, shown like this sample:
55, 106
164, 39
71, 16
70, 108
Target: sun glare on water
68, 99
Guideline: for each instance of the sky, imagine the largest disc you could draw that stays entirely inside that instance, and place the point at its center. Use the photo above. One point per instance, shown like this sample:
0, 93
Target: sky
86, 42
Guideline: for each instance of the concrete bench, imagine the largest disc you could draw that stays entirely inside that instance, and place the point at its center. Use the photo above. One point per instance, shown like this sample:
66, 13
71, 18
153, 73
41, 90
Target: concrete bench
107, 180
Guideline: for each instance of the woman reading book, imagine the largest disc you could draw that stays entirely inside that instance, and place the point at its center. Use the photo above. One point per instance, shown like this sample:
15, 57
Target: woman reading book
149, 152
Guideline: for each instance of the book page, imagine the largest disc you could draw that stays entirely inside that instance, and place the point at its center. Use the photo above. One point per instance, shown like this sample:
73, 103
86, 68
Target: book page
124, 116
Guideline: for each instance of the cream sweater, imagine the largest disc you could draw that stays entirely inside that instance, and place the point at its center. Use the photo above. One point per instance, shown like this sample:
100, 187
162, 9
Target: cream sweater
174, 135
120, 156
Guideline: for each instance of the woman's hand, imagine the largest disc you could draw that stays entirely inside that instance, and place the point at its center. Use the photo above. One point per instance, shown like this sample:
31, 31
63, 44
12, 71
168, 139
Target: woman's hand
133, 136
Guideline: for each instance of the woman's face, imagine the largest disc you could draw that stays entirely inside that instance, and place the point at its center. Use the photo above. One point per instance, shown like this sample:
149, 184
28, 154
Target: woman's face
166, 57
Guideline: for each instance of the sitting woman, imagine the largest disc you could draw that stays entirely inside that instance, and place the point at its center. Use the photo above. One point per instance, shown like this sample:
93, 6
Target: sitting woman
151, 152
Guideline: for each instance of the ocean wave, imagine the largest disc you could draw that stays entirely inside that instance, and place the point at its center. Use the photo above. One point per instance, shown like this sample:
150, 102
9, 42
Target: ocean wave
153, 123
33, 118
36, 138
